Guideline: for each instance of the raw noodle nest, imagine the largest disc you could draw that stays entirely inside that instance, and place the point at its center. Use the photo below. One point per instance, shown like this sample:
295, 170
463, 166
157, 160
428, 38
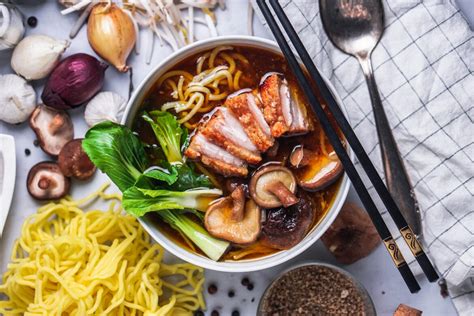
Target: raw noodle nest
72, 262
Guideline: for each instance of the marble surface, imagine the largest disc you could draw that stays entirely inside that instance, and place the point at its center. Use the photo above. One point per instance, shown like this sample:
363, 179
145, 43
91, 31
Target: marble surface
376, 272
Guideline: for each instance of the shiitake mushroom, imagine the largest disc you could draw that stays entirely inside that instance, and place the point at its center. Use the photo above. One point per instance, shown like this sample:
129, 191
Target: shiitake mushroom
221, 221
352, 236
314, 171
74, 162
52, 127
45, 181
273, 185
285, 227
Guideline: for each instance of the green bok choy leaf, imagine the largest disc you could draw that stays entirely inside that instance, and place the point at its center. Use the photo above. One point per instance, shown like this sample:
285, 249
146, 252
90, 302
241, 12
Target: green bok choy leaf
116, 151
168, 132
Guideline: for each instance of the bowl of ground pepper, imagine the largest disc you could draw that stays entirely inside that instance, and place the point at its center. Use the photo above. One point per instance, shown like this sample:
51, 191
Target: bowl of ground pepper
315, 289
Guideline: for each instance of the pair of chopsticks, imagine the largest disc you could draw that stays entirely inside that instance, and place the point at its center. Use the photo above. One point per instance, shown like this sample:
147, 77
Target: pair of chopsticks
356, 146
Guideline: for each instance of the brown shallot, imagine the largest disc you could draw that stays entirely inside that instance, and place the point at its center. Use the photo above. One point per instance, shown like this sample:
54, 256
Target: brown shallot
111, 33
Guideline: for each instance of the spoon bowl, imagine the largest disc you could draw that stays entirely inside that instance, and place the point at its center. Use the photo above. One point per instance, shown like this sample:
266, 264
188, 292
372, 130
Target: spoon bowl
353, 26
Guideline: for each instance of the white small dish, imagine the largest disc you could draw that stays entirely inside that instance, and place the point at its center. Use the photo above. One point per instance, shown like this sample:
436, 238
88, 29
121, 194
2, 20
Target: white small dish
7, 176
248, 265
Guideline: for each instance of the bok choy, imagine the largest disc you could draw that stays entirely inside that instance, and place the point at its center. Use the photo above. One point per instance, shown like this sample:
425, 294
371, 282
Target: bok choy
174, 185
168, 133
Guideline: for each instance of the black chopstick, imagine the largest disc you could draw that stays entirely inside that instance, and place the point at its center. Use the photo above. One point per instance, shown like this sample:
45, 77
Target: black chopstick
333, 137
387, 199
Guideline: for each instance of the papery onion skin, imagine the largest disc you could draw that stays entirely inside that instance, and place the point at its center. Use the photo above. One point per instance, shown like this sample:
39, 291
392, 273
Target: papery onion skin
74, 81
111, 33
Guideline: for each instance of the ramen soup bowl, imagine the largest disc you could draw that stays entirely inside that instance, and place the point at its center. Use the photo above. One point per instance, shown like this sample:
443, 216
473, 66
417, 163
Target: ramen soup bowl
162, 234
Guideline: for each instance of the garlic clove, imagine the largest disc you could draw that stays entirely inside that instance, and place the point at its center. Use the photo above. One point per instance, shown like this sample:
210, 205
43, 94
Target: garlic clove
17, 99
36, 56
105, 106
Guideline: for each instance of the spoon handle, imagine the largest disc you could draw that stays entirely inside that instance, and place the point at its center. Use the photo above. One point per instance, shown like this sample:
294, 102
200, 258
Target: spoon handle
396, 176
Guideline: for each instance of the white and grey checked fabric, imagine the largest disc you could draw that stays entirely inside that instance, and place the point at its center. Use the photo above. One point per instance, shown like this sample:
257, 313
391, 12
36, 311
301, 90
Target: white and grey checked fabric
424, 70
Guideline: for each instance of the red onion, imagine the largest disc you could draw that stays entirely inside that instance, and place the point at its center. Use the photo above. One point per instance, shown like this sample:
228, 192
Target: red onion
74, 81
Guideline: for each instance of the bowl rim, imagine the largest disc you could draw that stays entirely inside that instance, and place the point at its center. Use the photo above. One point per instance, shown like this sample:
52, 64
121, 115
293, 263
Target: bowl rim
248, 265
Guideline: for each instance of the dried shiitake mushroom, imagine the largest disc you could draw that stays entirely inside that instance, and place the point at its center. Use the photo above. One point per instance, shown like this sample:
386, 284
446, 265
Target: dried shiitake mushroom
285, 227
46, 181
52, 127
352, 236
74, 161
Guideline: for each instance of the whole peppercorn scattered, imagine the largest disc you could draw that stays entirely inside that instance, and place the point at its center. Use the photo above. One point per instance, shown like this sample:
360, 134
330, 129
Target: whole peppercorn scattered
252, 300
36, 143
199, 313
245, 281
32, 21
212, 289
27, 152
231, 293
250, 287
235, 313
214, 313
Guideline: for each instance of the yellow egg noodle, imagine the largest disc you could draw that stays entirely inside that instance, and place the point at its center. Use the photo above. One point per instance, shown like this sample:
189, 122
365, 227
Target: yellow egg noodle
193, 92
71, 262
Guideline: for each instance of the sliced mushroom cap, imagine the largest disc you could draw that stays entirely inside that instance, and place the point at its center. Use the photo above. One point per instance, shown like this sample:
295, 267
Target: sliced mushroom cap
273, 185
52, 127
285, 227
74, 161
46, 181
219, 221
300, 157
352, 236
319, 171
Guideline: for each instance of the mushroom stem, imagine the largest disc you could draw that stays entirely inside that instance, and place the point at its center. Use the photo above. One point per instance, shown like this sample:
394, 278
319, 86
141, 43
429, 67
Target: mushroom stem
44, 183
300, 157
286, 197
56, 123
238, 199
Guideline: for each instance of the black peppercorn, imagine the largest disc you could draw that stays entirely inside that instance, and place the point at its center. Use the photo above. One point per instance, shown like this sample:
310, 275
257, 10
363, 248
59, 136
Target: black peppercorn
231, 293
250, 287
32, 21
212, 289
245, 281
235, 313
199, 313
27, 152
36, 143
214, 313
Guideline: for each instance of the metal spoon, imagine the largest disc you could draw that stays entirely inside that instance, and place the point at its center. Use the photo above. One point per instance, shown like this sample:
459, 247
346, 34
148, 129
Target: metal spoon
355, 27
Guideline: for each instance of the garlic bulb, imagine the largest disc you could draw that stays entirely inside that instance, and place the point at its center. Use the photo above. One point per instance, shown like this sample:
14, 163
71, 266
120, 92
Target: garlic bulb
17, 99
11, 26
37, 55
106, 106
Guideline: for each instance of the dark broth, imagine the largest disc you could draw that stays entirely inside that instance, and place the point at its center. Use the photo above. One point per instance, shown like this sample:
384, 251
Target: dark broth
260, 62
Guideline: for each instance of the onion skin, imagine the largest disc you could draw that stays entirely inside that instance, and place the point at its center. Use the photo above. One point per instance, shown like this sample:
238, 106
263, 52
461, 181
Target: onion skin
74, 81
111, 34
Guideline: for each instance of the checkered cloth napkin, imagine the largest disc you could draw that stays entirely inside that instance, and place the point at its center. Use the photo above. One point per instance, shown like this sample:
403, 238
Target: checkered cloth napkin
424, 70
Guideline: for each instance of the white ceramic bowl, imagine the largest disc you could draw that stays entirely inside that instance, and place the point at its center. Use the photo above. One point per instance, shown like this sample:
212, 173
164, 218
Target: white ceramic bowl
227, 266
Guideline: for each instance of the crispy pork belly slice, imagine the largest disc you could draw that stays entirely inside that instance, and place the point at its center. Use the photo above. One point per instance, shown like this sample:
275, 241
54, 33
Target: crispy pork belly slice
282, 112
277, 114
225, 130
299, 123
217, 158
244, 106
